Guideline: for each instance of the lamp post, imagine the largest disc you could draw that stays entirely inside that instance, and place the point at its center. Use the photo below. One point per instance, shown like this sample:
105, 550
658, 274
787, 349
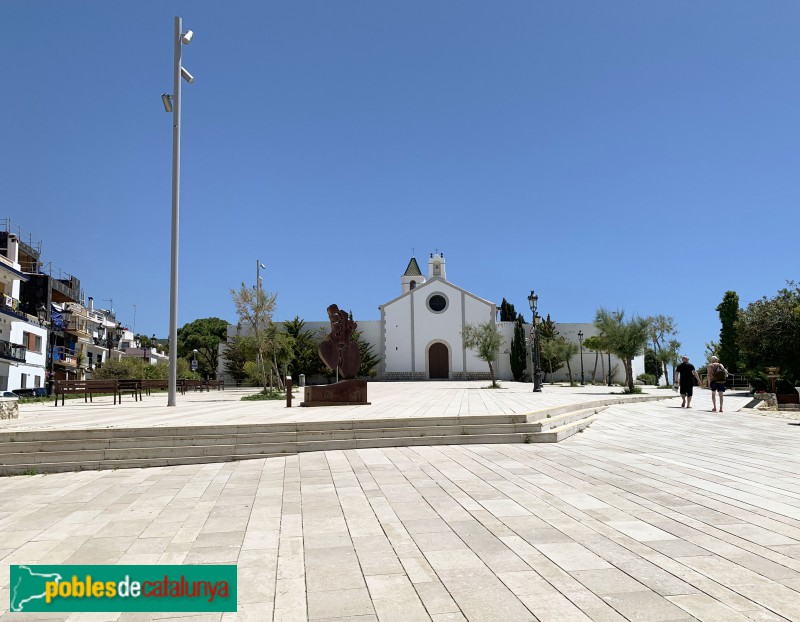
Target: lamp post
533, 301
580, 341
172, 103
41, 314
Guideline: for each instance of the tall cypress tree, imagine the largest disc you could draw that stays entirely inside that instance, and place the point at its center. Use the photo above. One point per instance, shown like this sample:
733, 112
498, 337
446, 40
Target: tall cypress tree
519, 353
728, 315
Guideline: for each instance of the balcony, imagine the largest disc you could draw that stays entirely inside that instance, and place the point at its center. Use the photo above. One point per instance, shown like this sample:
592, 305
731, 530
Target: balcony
11, 306
77, 326
12, 351
64, 356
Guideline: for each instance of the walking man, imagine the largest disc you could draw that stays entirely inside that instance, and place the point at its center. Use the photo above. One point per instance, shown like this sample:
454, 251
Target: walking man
686, 377
717, 375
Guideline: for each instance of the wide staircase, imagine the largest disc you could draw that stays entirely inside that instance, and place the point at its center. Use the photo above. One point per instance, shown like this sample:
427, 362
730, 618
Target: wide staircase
50, 451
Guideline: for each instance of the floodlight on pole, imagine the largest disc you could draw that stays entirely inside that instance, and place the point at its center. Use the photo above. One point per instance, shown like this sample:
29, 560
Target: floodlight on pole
173, 104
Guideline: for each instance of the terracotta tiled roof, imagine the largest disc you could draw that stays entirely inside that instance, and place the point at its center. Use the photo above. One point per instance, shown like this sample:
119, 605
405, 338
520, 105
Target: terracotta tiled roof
413, 268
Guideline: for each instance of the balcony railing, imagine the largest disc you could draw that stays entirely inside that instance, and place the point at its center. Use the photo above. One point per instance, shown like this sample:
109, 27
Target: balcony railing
11, 306
77, 326
64, 356
12, 351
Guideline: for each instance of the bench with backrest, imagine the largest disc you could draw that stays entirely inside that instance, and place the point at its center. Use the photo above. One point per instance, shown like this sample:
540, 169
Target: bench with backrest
219, 385
134, 387
150, 384
86, 387
197, 385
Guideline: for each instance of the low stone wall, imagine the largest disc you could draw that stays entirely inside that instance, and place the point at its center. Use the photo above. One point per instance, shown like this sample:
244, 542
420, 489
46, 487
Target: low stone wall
9, 408
404, 376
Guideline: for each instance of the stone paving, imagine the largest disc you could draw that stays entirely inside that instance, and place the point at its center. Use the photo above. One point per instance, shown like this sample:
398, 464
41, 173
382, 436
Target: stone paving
655, 513
389, 400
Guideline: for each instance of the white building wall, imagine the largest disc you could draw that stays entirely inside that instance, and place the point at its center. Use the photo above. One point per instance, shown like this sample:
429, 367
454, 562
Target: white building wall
34, 365
397, 317
477, 311
444, 327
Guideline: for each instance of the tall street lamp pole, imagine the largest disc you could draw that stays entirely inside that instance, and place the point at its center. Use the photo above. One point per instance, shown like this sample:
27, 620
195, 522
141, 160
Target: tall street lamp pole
533, 301
172, 103
580, 341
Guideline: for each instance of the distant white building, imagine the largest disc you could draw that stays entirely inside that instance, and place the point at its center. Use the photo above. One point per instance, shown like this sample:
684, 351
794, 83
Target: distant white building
418, 336
23, 340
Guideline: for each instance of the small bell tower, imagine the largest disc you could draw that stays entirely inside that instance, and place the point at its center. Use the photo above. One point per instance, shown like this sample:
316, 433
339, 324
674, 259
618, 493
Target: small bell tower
436, 266
412, 277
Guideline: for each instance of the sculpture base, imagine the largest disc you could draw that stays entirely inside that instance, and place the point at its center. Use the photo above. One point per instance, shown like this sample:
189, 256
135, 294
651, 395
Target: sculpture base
344, 393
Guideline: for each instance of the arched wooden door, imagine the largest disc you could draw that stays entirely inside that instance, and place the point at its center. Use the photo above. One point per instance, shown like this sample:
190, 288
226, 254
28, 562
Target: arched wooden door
438, 362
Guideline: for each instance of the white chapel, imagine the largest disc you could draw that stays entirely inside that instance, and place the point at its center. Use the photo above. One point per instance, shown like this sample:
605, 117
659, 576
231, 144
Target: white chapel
421, 328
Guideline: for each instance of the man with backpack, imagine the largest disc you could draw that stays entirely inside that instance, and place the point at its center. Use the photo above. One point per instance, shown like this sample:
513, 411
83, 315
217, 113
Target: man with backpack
717, 375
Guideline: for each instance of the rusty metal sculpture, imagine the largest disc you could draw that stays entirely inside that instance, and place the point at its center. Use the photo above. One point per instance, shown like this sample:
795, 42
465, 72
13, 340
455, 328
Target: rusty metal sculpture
338, 351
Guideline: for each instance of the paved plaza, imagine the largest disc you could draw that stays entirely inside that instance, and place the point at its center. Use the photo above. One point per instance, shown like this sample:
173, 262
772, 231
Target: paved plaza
654, 513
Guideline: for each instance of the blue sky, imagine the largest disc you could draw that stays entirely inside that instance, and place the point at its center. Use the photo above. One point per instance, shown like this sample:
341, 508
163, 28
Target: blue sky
629, 154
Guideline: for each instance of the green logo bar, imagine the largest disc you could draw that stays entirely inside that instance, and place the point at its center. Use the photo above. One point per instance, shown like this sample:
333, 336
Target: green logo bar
123, 588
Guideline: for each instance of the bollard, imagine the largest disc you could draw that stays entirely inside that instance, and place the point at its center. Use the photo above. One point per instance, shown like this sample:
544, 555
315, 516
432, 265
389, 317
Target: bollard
288, 391
302, 380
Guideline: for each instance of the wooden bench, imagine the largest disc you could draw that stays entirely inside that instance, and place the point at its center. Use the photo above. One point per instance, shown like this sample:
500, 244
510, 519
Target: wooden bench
197, 385
219, 385
87, 387
149, 384
134, 387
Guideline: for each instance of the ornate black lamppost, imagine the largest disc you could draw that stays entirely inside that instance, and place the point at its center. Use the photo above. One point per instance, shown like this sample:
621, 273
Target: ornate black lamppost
580, 341
533, 301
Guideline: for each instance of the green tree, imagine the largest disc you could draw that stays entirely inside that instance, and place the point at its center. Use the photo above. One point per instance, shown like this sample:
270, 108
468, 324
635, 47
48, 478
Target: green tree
137, 369
255, 307
485, 340
507, 312
768, 333
662, 327
369, 360
305, 356
519, 352
238, 350
595, 344
625, 339
728, 311
652, 364
568, 351
550, 348
204, 335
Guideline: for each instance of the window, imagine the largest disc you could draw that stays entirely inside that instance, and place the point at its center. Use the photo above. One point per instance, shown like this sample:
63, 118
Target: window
32, 342
24, 381
412, 285
89, 359
37, 382
437, 303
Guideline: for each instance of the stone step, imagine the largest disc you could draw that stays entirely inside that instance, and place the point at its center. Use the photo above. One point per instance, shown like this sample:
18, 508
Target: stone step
263, 428
50, 462
60, 451
50, 451
25, 447
559, 420
555, 435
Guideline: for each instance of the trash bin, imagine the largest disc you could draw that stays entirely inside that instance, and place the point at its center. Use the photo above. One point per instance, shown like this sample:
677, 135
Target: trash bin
302, 380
